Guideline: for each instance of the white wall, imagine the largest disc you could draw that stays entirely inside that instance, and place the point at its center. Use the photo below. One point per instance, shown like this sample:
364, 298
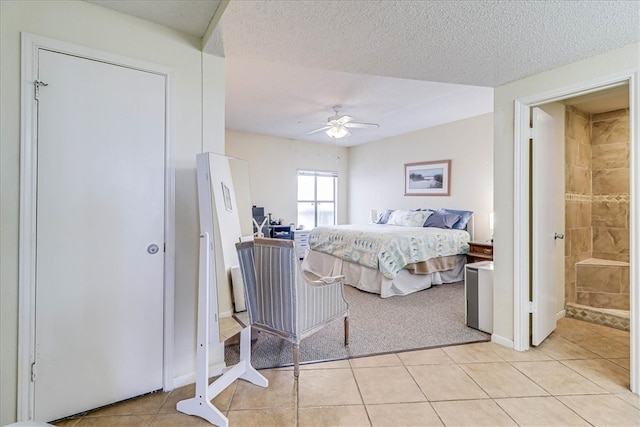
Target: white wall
581, 72
376, 171
273, 170
95, 27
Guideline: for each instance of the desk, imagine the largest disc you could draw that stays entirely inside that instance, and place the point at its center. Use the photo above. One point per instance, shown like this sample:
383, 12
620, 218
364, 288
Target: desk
280, 232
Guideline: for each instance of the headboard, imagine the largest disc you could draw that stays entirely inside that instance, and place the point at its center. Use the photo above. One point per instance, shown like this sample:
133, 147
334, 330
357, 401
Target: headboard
469, 227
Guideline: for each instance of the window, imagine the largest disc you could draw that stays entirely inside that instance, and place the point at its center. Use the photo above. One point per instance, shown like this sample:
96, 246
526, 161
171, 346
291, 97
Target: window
316, 198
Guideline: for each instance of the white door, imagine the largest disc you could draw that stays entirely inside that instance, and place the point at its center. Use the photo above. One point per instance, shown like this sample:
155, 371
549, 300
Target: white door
100, 205
547, 247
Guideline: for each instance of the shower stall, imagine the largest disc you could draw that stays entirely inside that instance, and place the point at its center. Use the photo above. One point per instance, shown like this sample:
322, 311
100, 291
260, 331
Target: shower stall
597, 216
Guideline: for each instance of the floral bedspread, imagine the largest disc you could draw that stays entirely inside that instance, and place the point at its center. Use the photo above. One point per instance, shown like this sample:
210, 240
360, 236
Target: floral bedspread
388, 248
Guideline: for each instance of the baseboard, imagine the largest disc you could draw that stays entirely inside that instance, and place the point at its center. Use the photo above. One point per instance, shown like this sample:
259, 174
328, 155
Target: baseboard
561, 314
190, 378
501, 341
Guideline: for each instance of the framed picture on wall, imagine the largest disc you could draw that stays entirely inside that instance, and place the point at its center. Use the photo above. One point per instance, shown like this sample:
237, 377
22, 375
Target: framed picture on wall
427, 178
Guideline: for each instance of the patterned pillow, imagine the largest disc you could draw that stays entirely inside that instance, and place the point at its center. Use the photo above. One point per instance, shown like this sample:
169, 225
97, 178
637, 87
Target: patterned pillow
409, 218
439, 220
465, 216
384, 216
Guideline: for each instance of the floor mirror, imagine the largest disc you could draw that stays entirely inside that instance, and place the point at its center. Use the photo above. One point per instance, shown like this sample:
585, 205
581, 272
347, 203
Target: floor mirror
225, 217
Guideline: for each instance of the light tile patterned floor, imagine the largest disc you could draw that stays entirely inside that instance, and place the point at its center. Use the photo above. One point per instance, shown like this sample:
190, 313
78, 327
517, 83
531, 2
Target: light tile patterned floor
578, 377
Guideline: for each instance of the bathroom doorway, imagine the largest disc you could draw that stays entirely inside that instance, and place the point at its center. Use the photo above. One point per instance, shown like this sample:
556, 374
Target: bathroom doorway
524, 309
597, 202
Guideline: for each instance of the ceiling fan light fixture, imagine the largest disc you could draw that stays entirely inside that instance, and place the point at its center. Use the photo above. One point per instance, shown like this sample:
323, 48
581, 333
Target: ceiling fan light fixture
337, 131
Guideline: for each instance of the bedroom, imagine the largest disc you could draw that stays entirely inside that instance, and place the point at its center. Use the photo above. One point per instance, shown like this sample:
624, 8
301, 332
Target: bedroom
273, 175
468, 143
86, 24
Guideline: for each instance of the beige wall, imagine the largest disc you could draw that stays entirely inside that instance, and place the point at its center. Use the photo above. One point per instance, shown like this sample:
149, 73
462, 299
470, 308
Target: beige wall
95, 27
273, 170
371, 176
580, 72
376, 171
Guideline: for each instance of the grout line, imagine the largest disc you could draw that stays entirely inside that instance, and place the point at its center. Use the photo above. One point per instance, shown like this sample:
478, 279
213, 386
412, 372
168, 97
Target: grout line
513, 363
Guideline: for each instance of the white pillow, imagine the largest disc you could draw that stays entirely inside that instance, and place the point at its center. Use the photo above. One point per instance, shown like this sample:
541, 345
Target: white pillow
409, 218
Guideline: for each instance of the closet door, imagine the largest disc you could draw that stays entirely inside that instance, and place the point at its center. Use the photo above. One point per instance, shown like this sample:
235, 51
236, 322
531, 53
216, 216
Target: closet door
100, 234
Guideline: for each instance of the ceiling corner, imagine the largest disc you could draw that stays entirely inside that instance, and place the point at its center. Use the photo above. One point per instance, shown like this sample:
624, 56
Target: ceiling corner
212, 39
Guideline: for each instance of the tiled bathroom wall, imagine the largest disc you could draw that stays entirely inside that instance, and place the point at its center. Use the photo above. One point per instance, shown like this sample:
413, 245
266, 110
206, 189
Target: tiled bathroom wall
610, 184
597, 208
577, 195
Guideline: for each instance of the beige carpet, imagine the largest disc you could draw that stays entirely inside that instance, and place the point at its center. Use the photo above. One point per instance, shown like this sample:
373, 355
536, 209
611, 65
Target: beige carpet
430, 318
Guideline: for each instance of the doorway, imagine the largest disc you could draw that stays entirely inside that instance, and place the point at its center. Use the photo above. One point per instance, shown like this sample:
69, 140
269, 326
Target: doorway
597, 207
97, 205
523, 219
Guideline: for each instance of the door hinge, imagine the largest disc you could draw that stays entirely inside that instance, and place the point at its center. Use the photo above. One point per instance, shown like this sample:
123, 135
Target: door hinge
530, 307
531, 133
36, 86
33, 372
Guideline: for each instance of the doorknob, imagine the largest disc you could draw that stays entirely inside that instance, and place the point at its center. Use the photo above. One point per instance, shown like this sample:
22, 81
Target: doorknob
558, 236
153, 249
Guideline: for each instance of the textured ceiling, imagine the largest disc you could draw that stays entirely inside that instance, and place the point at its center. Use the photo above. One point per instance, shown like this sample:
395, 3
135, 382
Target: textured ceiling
482, 43
289, 61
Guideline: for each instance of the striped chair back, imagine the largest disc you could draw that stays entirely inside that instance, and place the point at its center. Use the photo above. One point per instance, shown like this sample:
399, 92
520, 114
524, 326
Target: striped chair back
276, 290
281, 299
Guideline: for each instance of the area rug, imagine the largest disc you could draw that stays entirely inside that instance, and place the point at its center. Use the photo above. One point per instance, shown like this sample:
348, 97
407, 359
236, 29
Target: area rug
430, 318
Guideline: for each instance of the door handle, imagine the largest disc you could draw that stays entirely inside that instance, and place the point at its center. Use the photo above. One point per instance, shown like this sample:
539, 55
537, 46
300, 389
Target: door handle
558, 236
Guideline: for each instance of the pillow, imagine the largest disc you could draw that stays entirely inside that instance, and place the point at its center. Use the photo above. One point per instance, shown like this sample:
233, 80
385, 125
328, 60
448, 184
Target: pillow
384, 216
465, 216
440, 220
409, 218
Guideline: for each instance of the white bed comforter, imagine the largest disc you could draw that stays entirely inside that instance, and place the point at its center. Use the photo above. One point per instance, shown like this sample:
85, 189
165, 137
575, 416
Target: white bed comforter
387, 248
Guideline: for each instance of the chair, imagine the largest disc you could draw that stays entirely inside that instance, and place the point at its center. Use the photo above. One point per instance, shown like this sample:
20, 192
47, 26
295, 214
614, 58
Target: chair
284, 300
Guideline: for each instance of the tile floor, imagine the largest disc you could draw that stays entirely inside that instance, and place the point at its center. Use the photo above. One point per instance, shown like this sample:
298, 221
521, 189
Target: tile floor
578, 377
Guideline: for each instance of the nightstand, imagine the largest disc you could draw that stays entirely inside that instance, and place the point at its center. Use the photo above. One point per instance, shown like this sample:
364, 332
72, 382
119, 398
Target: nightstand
479, 251
301, 237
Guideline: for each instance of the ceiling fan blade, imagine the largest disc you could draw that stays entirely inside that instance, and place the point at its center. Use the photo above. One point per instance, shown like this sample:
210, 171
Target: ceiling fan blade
361, 125
318, 130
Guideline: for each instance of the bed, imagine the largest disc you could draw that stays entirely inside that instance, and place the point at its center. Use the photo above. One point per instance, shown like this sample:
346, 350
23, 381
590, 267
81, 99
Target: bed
401, 253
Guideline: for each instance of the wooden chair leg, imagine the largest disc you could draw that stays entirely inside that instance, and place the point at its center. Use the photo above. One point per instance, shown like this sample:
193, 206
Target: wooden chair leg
296, 360
346, 331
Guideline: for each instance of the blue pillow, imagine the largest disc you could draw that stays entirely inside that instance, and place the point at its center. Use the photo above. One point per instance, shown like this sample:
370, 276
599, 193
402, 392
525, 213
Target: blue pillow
440, 220
384, 216
465, 216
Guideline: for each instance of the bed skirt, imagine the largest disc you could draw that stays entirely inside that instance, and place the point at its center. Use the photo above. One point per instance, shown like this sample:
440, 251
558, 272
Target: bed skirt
370, 280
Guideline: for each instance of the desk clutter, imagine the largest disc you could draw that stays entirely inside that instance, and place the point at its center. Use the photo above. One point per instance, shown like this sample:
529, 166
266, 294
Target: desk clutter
267, 226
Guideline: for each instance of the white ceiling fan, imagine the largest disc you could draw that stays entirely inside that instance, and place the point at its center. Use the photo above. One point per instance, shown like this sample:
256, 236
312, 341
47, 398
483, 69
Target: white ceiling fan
338, 126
